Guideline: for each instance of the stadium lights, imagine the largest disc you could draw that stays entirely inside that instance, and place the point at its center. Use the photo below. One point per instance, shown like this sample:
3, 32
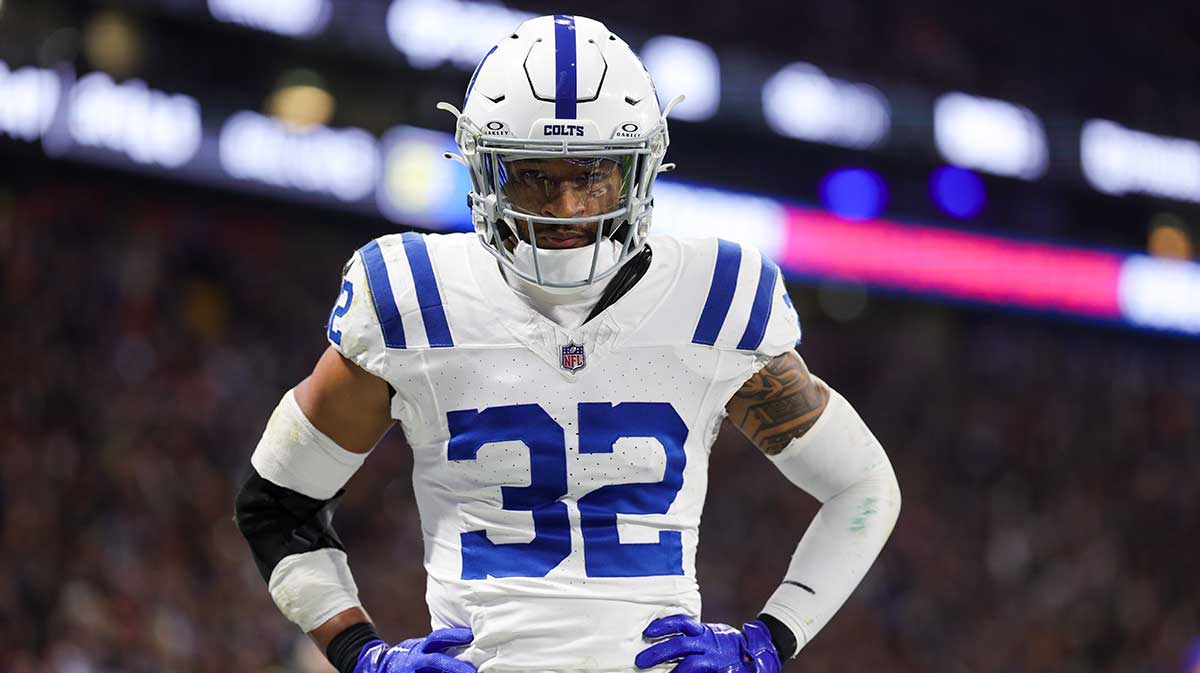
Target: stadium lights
418, 29
854, 193
682, 66
1160, 293
1169, 237
301, 105
28, 99
113, 43
801, 102
957, 191
990, 135
418, 184
301, 99
293, 18
1117, 160
343, 163
144, 124
690, 211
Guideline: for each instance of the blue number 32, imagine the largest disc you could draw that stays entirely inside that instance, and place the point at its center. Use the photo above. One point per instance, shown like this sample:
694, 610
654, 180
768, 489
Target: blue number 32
600, 425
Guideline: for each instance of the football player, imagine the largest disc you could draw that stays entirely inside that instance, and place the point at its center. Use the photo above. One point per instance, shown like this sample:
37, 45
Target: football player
561, 379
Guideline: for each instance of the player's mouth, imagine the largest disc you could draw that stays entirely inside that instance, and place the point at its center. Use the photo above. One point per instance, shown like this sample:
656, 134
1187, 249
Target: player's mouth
559, 240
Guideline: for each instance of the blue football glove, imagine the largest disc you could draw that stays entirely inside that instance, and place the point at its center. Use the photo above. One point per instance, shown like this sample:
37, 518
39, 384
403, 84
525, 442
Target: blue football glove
417, 655
709, 648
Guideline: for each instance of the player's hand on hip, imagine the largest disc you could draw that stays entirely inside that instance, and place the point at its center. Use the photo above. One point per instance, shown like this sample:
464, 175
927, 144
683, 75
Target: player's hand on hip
709, 648
417, 655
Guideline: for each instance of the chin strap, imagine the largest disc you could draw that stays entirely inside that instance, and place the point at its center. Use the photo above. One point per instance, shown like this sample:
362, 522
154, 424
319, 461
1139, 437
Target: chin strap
624, 280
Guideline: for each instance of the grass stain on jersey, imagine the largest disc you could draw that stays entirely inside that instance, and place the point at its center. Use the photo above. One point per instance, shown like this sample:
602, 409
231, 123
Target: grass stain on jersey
859, 523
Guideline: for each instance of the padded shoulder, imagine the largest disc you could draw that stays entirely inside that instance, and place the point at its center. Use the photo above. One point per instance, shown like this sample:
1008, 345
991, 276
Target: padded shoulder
353, 328
740, 299
389, 300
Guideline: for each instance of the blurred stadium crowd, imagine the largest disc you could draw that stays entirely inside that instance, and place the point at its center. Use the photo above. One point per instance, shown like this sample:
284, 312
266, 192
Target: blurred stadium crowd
1048, 469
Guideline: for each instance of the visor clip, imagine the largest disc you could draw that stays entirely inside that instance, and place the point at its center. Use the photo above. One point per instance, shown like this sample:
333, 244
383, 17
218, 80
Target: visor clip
490, 209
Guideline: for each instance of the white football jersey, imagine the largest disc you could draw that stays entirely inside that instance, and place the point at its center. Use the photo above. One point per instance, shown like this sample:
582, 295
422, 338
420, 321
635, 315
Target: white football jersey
559, 473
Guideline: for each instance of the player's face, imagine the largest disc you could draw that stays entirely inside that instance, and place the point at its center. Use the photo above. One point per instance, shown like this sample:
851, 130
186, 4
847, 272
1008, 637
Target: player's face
563, 188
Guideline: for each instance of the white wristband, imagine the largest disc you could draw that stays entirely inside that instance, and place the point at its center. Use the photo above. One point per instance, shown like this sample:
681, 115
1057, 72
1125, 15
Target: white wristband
312, 587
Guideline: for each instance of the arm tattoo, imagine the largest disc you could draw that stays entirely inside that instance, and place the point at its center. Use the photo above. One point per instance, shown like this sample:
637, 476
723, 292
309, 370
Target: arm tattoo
778, 404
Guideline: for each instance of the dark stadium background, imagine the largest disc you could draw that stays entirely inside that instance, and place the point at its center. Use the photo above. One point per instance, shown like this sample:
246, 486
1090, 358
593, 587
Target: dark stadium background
1048, 462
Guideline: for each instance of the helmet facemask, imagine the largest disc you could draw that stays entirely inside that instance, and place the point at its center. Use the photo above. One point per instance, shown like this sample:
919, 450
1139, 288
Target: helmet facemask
555, 195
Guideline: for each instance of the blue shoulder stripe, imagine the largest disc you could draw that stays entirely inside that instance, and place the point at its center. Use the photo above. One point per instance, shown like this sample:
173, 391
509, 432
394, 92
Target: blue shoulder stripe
565, 83
720, 293
760, 311
437, 330
381, 295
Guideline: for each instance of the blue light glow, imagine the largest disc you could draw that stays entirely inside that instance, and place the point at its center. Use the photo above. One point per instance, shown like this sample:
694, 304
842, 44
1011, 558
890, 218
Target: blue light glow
854, 193
957, 191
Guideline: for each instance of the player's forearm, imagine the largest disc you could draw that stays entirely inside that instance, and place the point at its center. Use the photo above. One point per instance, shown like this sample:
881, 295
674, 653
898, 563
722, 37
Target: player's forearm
285, 511
841, 463
835, 554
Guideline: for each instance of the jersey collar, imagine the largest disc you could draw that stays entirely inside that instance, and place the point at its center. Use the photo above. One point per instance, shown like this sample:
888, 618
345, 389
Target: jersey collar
626, 314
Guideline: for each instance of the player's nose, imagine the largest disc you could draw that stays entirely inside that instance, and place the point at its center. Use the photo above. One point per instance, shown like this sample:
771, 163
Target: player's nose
566, 202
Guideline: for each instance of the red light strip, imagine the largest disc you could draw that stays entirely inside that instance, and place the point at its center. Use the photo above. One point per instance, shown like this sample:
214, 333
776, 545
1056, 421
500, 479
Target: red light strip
953, 263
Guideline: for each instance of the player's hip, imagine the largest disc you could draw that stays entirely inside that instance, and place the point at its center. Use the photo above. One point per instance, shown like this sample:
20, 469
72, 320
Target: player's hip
561, 635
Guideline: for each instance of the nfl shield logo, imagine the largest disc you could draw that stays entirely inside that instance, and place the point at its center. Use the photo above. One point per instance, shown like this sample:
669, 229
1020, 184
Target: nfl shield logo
572, 357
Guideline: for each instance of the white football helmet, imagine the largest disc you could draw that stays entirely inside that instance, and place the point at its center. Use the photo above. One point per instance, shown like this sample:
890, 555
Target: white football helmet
561, 100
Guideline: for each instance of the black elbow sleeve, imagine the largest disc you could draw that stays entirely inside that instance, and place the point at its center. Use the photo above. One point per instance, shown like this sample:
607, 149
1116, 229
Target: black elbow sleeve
279, 522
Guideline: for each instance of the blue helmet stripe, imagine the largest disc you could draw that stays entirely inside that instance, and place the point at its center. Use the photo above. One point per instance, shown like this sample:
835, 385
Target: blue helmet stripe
720, 293
428, 298
471, 84
565, 81
760, 311
381, 295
